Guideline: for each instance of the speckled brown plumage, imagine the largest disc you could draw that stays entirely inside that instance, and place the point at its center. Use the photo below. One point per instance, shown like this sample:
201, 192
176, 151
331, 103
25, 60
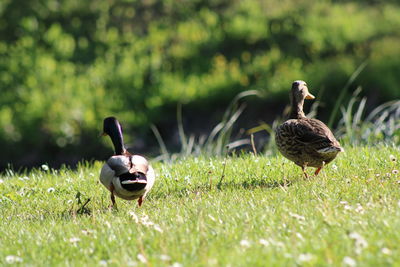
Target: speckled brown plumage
306, 142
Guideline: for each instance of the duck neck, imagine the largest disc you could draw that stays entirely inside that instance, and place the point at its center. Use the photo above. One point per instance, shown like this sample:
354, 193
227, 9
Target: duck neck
297, 108
118, 140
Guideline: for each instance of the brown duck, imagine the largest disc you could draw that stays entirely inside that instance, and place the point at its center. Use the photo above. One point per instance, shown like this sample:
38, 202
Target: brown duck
306, 142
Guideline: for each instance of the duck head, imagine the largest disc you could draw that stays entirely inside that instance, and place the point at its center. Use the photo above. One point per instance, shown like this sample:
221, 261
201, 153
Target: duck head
112, 128
299, 92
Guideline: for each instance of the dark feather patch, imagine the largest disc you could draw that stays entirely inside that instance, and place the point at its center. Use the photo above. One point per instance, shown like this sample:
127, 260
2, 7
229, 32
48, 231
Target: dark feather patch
140, 177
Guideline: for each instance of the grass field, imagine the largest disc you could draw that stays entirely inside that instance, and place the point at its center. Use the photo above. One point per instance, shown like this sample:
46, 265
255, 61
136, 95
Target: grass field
263, 214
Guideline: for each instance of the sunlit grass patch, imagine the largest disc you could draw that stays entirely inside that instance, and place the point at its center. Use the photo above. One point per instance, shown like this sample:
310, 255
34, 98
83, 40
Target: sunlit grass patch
263, 212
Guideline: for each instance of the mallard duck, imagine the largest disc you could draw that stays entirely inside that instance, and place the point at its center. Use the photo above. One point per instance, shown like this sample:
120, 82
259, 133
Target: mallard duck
125, 175
306, 142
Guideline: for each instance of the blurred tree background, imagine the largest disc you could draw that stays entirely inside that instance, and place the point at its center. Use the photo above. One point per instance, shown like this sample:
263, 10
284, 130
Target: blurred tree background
67, 64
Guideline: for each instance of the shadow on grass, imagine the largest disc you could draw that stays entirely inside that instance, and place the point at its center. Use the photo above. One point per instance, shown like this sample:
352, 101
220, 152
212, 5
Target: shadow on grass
250, 184
256, 183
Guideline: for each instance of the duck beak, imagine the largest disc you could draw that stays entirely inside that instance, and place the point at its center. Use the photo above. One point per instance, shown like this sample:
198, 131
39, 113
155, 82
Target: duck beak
310, 96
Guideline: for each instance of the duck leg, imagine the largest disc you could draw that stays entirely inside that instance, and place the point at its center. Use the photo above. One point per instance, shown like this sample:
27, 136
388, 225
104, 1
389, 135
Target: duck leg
112, 196
112, 199
304, 171
140, 201
319, 169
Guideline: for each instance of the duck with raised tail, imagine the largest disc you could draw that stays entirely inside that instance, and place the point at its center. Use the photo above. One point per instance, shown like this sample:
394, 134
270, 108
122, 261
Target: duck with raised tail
306, 142
125, 175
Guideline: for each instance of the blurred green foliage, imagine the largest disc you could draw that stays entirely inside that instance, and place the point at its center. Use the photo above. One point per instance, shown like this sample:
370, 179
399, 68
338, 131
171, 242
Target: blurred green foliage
66, 64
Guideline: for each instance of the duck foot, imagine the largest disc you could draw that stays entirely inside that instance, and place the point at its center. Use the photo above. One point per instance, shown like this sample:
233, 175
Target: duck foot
112, 207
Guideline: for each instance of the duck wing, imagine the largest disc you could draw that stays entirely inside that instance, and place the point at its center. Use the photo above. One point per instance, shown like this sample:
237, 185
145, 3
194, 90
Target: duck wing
115, 166
316, 134
139, 164
120, 164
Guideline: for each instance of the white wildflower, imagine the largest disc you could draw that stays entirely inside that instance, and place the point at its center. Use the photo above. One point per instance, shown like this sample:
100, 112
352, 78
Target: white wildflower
359, 242
187, 179
343, 202
158, 228
1, 181
10, 259
21, 192
87, 231
386, 251
103, 263
134, 216
146, 221
177, 264
297, 217
334, 167
164, 257
45, 167
392, 158
359, 208
355, 236
70, 201
264, 242
305, 257
74, 240
50, 190
349, 261
245, 243
395, 172
347, 207
300, 236
25, 178
142, 258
